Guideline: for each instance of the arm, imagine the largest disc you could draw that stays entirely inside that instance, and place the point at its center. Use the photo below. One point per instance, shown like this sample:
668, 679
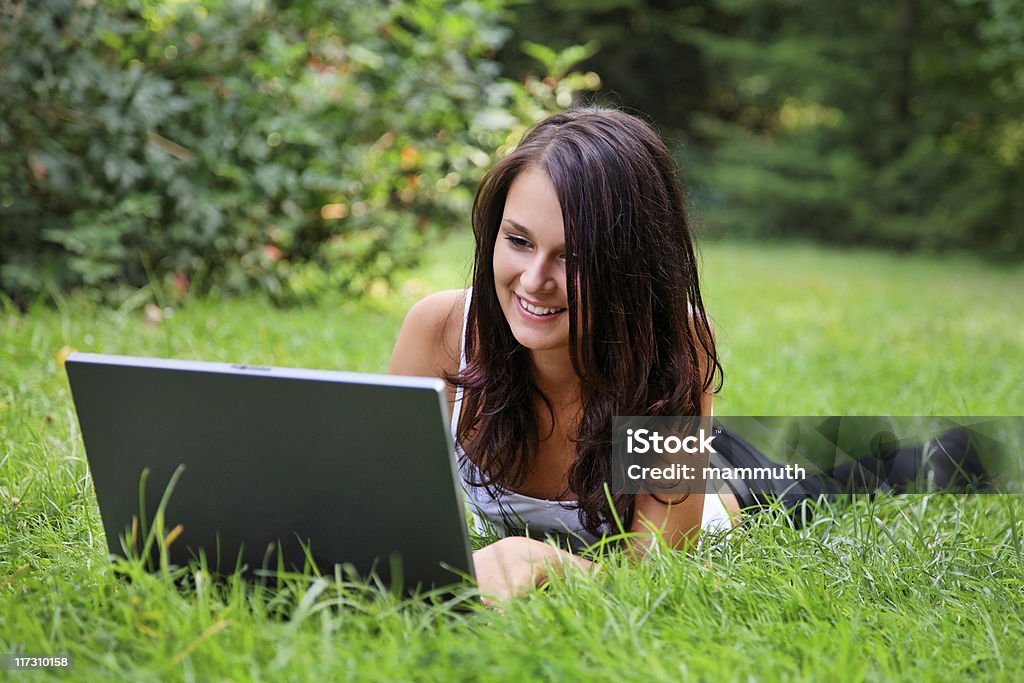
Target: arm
428, 343
678, 524
512, 566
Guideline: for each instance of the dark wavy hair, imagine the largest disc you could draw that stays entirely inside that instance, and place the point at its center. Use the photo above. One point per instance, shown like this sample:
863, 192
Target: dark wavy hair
632, 272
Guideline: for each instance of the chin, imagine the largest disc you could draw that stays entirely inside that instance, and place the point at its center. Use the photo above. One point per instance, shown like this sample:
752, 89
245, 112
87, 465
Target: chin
535, 342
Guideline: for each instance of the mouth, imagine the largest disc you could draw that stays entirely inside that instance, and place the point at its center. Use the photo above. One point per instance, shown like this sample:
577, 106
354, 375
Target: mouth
539, 312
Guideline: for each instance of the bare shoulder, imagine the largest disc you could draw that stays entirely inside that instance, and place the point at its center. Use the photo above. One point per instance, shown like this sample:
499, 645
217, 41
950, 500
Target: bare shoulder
430, 339
708, 366
692, 310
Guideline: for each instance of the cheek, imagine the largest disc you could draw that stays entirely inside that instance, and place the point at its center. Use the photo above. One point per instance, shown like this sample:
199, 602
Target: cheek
498, 266
504, 265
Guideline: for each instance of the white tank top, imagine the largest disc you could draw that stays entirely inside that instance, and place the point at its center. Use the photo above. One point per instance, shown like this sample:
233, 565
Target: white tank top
509, 513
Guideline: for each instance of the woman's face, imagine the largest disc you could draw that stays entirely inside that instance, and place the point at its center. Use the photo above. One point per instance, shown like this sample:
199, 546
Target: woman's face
529, 263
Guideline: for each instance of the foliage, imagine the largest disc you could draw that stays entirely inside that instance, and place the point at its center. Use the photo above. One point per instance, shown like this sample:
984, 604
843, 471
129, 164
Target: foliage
297, 147
645, 66
865, 123
870, 122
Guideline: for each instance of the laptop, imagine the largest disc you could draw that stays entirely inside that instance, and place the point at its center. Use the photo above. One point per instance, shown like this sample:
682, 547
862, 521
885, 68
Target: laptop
273, 467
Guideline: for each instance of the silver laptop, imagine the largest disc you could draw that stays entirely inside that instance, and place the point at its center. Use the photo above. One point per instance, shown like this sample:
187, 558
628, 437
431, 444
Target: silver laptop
274, 467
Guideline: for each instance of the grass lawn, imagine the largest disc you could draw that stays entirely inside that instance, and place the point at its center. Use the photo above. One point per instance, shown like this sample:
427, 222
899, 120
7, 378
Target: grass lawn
907, 588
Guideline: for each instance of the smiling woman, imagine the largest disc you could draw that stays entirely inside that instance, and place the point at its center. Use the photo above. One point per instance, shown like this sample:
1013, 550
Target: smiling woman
585, 306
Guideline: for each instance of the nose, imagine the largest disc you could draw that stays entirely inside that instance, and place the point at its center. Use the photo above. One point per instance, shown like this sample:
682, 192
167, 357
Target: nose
539, 275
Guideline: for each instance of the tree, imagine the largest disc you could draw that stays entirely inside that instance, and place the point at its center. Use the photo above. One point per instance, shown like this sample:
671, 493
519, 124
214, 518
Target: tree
870, 122
863, 122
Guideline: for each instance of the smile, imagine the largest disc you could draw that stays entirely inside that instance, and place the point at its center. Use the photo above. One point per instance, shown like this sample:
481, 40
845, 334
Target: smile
537, 310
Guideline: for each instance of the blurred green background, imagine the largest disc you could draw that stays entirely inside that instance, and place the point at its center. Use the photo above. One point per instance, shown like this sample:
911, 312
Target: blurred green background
298, 148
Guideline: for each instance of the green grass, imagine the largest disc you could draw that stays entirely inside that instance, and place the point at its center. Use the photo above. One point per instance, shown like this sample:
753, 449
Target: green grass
806, 331
911, 588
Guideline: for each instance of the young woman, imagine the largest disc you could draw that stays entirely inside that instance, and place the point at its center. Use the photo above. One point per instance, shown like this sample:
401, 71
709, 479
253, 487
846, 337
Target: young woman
585, 305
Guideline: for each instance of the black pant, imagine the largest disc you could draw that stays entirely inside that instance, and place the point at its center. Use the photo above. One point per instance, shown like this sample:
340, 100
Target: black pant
947, 463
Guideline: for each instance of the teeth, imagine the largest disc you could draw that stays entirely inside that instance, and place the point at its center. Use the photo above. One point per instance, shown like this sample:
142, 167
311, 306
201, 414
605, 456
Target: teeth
537, 310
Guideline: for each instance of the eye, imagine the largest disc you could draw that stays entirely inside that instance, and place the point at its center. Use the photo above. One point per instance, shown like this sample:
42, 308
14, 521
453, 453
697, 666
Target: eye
517, 241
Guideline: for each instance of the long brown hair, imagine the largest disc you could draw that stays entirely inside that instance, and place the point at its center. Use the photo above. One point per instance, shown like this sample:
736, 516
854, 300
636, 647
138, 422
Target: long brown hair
630, 268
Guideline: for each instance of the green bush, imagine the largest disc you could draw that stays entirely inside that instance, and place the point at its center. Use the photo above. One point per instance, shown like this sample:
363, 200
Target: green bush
293, 147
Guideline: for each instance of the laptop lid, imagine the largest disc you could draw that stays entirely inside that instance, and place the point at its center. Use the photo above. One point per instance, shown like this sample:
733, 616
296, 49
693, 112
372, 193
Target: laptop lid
276, 464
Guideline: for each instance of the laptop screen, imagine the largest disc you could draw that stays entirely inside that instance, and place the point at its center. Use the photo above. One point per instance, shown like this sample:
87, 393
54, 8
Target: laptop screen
274, 467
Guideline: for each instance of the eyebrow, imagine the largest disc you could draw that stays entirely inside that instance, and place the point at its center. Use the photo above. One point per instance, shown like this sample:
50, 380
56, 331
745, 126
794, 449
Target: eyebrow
518, 226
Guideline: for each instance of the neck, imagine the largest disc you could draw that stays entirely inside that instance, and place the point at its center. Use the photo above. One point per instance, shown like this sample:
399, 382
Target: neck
554, 375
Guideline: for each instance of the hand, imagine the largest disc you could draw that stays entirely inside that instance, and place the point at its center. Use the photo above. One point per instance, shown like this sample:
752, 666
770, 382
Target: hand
512, 566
